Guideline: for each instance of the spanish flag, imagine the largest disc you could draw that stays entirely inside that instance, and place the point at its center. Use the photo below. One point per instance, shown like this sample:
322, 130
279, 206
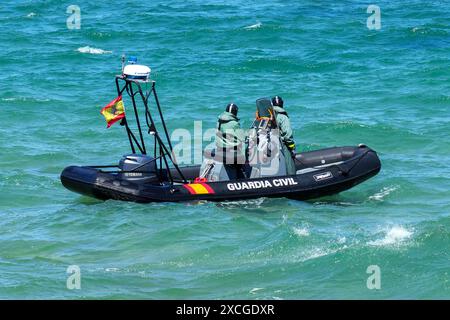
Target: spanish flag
114, 111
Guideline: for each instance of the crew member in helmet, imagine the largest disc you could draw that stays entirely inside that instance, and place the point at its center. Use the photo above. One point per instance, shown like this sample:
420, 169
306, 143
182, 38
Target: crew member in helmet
286, 133
230, 137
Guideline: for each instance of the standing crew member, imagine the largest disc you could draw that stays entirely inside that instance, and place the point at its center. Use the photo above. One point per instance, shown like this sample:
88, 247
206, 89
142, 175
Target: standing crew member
286, 133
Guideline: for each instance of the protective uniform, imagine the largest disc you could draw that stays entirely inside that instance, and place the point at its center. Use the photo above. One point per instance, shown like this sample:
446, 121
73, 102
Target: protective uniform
229, 136
286, 134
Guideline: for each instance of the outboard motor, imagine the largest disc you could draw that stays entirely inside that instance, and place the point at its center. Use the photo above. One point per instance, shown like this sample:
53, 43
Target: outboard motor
138, 168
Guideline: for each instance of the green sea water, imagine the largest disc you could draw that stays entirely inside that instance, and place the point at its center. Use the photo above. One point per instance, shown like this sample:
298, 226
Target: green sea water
342, 83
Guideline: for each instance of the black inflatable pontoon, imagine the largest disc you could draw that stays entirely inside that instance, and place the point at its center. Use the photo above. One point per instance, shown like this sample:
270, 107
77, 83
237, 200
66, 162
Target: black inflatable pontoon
320, 173
143, 178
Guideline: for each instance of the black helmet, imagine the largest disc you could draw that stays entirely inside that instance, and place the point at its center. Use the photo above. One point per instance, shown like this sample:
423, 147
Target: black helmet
232, 108
277, 101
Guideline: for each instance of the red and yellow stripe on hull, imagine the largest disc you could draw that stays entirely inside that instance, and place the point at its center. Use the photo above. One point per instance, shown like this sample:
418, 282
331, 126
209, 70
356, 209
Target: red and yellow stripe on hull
198, 188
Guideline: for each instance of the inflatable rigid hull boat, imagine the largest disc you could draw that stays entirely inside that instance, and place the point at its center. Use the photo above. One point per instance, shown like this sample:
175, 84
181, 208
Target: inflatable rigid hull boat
265, 169
318, 173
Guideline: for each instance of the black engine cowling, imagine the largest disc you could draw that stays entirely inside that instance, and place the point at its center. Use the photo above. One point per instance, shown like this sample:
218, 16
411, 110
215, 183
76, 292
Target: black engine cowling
138, 167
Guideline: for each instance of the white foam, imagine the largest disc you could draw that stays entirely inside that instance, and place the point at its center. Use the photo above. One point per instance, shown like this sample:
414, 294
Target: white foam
91, 50
253, 26
383, 193
254, 290
301, 232
393, 236
31, 15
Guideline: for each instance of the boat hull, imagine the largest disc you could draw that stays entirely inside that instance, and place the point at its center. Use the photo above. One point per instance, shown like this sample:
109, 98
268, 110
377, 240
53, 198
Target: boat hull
319, 173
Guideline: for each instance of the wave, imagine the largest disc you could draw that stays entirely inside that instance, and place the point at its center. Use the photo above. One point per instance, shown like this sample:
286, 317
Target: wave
393, 236
24, 99
317, 253
91, 50
253, 26
379, 196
